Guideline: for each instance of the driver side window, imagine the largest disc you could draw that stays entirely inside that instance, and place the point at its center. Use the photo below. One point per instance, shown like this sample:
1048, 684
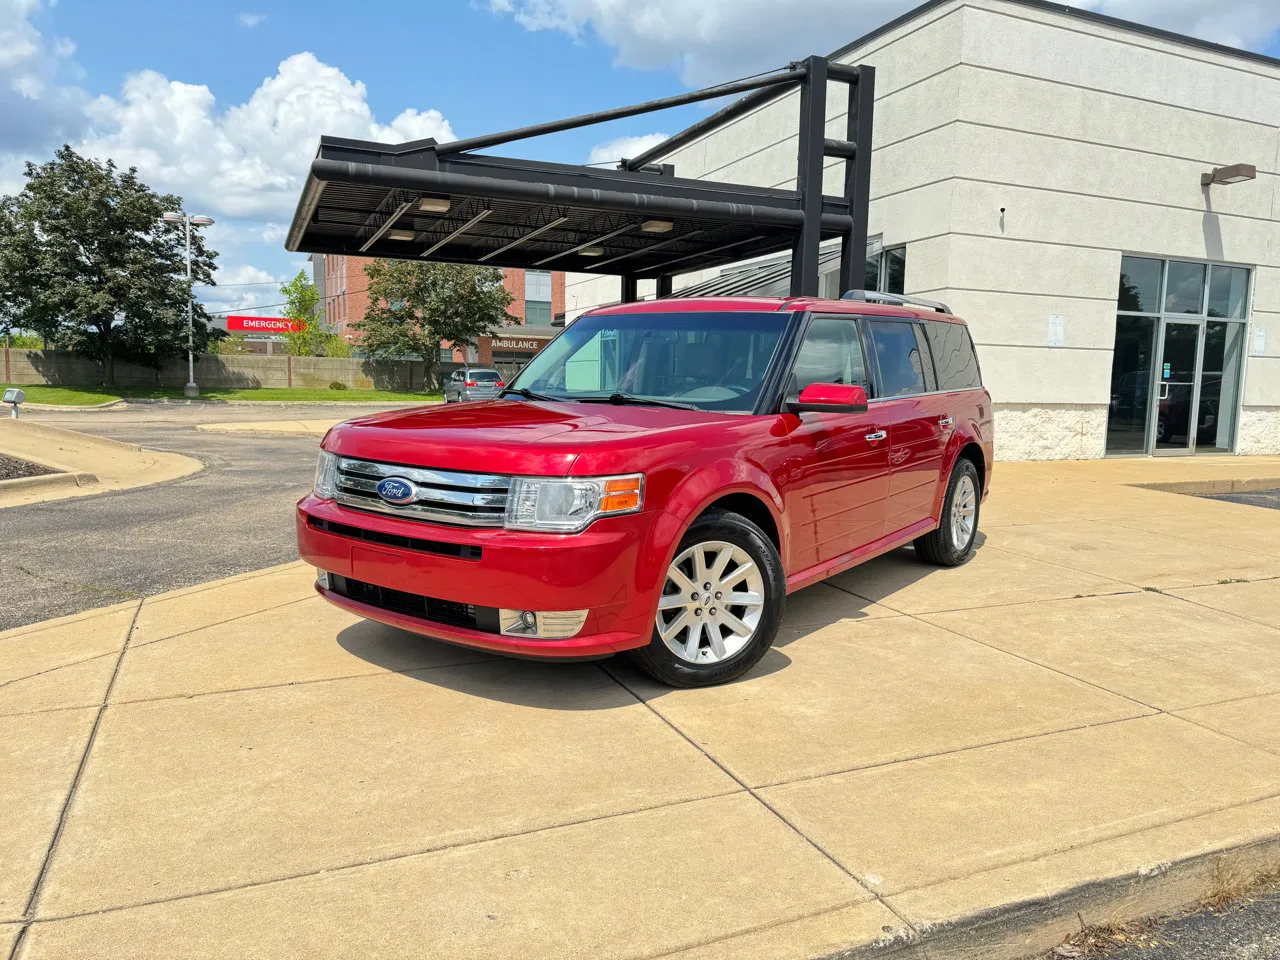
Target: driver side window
830, 353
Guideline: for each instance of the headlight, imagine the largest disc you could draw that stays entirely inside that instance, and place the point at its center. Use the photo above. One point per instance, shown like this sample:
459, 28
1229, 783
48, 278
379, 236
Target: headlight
569, 505
326, 485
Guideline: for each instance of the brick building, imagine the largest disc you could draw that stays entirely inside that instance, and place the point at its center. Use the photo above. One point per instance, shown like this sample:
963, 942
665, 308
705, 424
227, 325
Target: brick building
537, 302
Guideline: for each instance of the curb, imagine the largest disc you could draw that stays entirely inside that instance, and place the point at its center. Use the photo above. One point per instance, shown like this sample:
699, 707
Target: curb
72, 406
68, 479
1213, 487
67, 436
1029, 928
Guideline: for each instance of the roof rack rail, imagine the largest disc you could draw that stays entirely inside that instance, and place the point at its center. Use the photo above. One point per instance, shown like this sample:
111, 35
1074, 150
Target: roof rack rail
874, 296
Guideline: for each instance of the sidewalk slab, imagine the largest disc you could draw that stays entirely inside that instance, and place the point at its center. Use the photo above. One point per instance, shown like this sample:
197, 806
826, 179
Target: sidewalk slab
993, 577
1254, 720
1257, 600
190, 795
68, 665
202, 606
39, 754
923, 822
275, 647
1131, 555
1154, 649
853, 696
639, 885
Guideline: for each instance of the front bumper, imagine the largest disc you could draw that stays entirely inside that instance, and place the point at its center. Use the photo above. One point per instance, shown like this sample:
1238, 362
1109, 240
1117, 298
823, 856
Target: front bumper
607, 569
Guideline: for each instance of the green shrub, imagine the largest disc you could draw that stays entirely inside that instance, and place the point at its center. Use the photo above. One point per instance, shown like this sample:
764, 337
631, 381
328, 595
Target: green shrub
337, 385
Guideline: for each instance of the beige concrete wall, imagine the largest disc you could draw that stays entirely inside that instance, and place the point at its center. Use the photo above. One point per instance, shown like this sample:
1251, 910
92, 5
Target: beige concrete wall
27, 367
1092, 140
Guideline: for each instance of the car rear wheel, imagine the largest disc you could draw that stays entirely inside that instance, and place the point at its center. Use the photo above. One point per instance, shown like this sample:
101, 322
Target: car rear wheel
721, 604
951, 544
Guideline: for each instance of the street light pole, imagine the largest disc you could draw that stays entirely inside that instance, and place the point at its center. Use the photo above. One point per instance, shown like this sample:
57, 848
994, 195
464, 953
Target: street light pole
191, 389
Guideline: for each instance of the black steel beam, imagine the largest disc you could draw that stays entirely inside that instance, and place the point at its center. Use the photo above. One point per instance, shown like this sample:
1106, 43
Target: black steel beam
664, 285
630, 288
813, 121
718, 119
839, 148
843, 72
603, 116
342, 171
857, 179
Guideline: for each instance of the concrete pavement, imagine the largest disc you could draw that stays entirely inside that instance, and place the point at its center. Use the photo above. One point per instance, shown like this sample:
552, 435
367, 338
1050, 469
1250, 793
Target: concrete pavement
1081, 722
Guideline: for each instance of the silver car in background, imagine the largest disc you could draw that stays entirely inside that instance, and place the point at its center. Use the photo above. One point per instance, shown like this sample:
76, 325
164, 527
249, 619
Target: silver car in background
472, 383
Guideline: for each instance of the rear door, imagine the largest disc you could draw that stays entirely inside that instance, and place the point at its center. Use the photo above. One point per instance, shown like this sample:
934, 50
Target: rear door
914, 414
839, 462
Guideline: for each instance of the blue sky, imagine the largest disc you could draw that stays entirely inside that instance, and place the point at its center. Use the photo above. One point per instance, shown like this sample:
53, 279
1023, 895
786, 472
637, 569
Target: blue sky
222, 102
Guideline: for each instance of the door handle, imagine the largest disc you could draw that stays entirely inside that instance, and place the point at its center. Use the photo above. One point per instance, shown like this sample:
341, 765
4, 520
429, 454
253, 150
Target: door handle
945, 421
877, 436
1164, 391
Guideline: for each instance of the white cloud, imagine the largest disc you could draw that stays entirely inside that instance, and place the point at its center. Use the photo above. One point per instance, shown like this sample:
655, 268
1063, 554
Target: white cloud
250, 20
714, 40
241, 288
624, 147
35, 110
250, 159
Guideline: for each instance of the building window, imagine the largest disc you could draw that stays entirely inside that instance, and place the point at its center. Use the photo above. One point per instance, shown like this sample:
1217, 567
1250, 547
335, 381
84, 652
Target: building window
1179, 355
537, 297
884, 271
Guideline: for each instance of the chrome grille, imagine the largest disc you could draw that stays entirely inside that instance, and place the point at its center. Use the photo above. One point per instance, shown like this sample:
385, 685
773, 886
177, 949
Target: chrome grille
444, 496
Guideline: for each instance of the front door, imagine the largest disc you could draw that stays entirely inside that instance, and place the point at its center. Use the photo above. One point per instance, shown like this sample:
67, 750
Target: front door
839, 473
1176, 400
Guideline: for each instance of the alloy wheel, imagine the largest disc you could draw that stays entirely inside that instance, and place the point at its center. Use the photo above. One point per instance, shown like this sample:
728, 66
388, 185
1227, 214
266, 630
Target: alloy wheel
711, 602
964, 508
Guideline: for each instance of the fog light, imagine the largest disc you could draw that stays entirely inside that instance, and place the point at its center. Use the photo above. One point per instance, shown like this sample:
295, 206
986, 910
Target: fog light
322, 578
542, 624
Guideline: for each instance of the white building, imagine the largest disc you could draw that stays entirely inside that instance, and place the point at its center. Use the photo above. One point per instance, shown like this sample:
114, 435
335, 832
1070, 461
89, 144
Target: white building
1039, 170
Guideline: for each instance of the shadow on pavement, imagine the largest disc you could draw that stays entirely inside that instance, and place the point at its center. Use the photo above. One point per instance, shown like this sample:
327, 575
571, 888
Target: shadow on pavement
560, 685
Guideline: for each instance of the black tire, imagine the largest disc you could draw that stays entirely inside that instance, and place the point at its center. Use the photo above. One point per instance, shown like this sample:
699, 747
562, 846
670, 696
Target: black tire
938, 546
664, 665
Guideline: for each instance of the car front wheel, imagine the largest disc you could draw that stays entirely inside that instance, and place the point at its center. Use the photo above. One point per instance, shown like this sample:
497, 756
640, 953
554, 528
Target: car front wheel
720, 606
951, 544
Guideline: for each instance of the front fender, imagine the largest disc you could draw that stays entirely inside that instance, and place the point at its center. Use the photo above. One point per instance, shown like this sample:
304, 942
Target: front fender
697, 491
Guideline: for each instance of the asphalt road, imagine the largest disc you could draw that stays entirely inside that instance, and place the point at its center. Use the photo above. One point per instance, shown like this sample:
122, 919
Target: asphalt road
234, 516
1246, 931
1258, 498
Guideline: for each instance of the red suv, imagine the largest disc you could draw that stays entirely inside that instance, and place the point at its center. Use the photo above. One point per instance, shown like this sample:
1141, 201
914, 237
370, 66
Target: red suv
658, 479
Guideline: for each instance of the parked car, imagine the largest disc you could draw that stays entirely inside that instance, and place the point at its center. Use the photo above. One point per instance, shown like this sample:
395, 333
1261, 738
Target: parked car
472, 383
658, 479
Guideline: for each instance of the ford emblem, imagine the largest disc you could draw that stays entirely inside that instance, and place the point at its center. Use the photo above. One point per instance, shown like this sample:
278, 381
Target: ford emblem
397, 490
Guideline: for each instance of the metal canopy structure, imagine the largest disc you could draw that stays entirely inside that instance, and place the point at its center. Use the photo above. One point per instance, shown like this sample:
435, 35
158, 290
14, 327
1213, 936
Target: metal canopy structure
443, 201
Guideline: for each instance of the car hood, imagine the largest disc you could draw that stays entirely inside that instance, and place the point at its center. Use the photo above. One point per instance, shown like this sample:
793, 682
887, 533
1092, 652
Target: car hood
514, 436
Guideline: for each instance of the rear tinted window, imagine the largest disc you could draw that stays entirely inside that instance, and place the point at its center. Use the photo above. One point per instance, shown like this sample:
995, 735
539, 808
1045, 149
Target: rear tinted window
484, 376
953, 356
898, 357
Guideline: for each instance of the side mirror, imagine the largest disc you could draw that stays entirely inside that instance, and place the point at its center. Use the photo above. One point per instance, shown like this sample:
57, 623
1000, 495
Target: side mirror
830, 398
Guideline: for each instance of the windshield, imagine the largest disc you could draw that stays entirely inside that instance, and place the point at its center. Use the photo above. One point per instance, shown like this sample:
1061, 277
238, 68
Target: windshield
710, 361
484, 376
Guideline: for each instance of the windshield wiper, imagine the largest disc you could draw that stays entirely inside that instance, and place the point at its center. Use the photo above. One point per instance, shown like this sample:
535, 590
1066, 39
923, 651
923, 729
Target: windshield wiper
528, 394
626, 399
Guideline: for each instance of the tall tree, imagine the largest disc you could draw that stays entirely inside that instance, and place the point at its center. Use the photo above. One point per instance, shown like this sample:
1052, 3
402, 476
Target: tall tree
87, 262
414, 306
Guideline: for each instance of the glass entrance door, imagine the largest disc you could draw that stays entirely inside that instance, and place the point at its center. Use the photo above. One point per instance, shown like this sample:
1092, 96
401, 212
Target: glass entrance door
1176, 395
